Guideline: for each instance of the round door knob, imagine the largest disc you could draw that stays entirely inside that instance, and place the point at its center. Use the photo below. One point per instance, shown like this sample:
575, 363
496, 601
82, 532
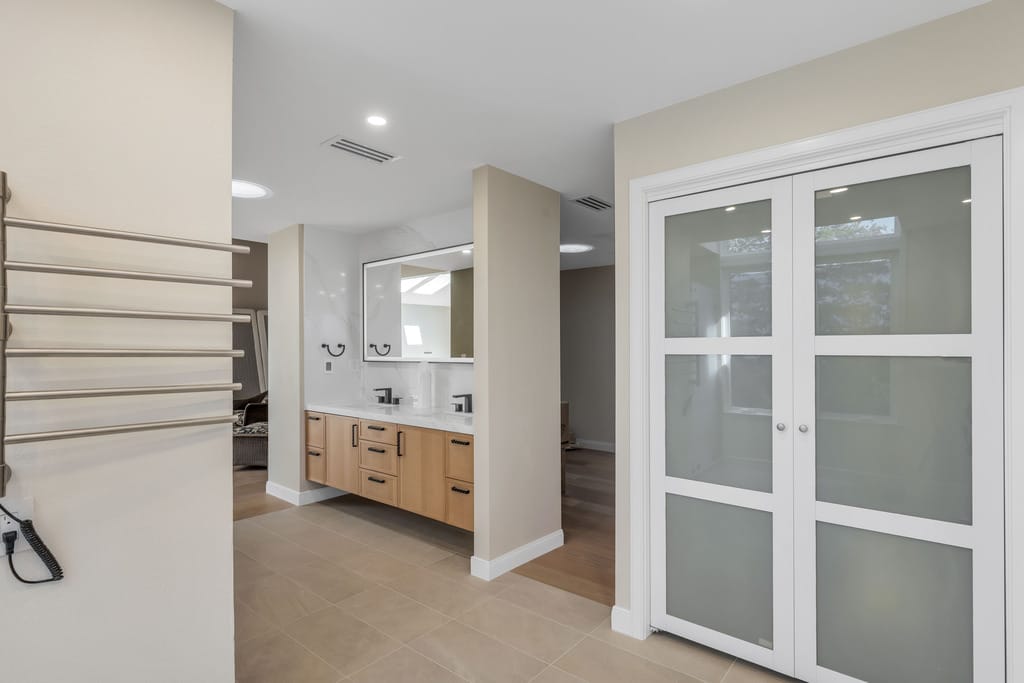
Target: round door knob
781, 426
803, 428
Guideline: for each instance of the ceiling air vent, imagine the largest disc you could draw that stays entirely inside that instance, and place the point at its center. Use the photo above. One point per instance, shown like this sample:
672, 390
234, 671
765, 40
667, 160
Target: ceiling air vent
593, 203
346, 145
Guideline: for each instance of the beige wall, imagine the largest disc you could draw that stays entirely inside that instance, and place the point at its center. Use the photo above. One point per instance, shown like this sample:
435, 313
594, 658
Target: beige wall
251, 266
287, 436
588, 352
117, 113
515, 235
965, 55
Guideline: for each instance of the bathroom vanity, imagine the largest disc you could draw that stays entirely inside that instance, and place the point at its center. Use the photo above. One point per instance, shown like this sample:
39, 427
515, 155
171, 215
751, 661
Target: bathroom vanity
420, 462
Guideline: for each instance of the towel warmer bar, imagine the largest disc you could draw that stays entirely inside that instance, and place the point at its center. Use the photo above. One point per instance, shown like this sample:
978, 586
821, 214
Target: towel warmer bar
7, 309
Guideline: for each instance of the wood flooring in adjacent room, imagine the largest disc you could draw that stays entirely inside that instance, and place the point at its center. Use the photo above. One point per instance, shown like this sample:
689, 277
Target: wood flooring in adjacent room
250, 494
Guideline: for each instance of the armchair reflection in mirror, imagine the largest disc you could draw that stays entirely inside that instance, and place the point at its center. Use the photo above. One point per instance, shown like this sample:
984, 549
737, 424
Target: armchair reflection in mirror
419, 307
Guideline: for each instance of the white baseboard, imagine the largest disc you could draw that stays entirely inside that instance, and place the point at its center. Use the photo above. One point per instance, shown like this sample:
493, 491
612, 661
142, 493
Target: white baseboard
606, 446
489, 570
622, 622
303, 497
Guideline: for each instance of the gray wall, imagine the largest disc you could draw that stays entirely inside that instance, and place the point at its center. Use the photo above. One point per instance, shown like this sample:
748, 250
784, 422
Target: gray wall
588, 354
251, 266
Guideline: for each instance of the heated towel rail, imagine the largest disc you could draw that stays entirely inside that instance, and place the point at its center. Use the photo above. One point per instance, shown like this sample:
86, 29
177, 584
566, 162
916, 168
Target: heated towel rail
7, 309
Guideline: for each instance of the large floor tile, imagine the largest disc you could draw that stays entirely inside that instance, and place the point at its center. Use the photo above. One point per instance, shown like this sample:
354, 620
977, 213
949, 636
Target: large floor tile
328, 580
535, 635
553, 674
411, 550
475, 656
744, 672
598, 662
276, 658
270, 549
376, 566
435, 591
668, 650
566, 608
456, 568
248, 570
395, 614
405, 666
343, 641
249, 624
280, 600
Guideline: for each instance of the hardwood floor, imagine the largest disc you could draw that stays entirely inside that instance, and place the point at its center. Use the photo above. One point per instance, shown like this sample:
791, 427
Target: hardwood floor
250, 494
585, 565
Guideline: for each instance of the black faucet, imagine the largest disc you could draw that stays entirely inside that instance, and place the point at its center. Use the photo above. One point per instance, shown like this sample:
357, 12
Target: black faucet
386, 397
467, 407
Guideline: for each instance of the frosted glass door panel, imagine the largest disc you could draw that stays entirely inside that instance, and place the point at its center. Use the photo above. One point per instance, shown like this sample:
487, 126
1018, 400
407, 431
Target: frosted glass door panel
894, 256
894, 434
718, 267
718, 426
719, 567
892, 608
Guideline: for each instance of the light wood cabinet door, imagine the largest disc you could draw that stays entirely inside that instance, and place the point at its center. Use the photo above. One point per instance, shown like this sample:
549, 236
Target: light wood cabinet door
314, 429
381, 432
342, 453
377, 486
459, 509
459, 457
421, 485
315, 465
380, 457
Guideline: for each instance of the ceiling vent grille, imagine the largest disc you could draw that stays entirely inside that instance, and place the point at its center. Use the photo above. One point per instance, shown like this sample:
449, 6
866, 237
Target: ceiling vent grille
593, 203
352, 147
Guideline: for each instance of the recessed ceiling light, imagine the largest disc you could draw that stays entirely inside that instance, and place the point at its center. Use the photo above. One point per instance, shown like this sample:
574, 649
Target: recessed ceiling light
376, 120
837, 190
855, 218
575, 248
243, 189
730, 208
966, 201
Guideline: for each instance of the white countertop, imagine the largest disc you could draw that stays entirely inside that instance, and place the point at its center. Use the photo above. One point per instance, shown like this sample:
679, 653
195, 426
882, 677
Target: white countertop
414, 417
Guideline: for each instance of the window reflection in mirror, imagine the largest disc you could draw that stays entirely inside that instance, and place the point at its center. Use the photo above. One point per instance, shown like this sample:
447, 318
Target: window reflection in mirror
420, 307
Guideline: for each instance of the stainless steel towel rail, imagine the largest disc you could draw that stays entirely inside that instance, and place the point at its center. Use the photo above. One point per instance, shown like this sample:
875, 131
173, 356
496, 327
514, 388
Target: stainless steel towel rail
7, 309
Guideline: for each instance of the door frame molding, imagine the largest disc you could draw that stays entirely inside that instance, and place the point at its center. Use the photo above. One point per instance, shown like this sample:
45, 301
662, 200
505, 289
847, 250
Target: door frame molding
998, 114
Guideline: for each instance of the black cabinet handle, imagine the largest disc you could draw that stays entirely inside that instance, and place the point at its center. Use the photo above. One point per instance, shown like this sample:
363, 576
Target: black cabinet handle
400, 444
375, 480
460, 443
374, 449
355, 436
313, 453
376, 428
313, 417
458, 490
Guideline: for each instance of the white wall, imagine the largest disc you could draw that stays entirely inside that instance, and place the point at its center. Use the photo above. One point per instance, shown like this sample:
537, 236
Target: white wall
972, 53
117, 113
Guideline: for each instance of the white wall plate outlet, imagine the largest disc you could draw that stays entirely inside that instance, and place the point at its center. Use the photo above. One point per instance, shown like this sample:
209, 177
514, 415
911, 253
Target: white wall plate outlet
22, 509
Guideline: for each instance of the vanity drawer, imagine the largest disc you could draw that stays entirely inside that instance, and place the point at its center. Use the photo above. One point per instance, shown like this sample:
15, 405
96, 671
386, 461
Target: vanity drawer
380, 487
459, 504
314, 429
316, 465
458, 456
381, 432
379, 457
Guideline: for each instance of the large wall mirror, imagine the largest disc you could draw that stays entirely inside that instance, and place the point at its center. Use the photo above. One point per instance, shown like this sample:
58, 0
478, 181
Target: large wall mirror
419, 307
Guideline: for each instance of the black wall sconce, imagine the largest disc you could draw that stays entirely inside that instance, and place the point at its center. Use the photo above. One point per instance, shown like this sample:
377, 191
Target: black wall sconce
331, 353
387, 349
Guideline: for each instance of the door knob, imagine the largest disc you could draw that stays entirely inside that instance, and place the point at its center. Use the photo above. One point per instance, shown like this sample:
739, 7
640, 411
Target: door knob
803, 428
781, 426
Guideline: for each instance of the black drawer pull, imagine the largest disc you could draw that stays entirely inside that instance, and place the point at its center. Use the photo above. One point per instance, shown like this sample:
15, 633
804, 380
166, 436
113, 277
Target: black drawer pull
375, 480
313, 417
373, 449
460, 443
377, 428
400, 444
458, 490
355, 436
313, 453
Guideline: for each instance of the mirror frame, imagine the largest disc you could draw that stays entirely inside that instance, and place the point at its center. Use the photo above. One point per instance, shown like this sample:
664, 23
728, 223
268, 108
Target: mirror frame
403, 259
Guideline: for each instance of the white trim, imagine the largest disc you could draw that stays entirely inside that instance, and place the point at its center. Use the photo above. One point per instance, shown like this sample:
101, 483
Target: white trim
997, 114
604, 446
303, 497
622, 621
488, 570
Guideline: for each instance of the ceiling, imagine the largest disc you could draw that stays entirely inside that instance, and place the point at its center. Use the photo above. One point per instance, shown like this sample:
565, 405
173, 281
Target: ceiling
531, 86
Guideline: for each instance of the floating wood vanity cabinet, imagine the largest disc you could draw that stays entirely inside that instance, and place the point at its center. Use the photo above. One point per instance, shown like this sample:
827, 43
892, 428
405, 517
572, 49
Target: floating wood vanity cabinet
426, 471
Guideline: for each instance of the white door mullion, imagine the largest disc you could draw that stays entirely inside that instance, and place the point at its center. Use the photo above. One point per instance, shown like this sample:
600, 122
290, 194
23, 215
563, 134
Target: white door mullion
929, 345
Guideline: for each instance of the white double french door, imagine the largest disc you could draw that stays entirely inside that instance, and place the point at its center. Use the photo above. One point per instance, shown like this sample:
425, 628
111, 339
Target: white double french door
827, 419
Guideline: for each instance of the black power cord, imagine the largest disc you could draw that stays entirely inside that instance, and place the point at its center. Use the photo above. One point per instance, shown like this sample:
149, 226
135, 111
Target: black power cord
36, 543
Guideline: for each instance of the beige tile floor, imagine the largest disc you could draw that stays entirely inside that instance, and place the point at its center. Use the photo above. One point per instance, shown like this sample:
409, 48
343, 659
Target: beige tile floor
324, 595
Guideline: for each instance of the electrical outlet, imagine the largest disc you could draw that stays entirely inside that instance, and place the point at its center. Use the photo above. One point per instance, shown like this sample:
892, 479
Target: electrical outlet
22, 509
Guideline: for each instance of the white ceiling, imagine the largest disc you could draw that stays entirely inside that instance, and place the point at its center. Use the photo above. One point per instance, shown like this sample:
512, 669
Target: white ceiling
530, 86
